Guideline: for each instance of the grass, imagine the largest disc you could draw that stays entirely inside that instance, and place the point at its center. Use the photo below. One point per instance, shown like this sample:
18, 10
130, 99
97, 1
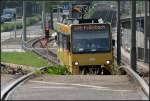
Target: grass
23, 58
31, 59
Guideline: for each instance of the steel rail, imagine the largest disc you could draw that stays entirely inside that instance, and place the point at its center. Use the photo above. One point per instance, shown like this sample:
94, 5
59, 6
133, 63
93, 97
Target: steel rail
31, 47
9, 88
24, 44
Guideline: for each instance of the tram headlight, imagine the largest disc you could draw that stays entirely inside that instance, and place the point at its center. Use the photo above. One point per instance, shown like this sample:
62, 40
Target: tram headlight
76, 63
108, 62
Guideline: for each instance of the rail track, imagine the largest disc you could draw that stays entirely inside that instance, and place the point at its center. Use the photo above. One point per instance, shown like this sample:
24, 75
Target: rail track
46, 52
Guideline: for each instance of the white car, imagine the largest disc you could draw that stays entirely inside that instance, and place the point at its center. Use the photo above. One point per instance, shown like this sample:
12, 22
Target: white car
7, 17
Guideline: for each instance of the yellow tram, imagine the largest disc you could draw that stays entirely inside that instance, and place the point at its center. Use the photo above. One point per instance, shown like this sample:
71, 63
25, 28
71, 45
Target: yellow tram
85, 46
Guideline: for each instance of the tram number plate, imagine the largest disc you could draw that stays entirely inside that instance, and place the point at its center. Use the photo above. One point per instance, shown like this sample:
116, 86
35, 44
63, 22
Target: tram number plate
92, 59
89, 27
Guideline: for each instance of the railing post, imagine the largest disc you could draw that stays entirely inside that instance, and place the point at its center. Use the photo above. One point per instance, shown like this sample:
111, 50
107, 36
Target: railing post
145, 34
133, 37
43, 16
118, 36
149, 35
24, 21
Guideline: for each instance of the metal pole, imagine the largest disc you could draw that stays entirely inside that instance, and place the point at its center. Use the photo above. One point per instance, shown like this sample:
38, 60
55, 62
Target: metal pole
43, 17
15, 23
58, 10
24, 21
149, 35
133, 37
82, 13
145, 32
52, 20
118, 36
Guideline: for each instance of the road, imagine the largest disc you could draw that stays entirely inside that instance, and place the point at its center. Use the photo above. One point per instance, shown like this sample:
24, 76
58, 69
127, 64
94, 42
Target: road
6, 79
78, 87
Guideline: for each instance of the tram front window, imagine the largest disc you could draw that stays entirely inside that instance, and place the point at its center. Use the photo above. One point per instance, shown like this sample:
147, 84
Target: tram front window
90, 41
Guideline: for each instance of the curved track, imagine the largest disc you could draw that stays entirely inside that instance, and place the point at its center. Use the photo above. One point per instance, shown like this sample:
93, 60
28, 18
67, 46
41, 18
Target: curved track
47, 53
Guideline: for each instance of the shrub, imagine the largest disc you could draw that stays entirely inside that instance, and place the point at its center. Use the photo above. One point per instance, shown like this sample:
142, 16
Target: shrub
59, 70
19, 25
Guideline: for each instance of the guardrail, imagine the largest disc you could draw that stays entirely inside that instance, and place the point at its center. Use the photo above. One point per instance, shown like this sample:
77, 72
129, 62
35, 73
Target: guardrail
7, 90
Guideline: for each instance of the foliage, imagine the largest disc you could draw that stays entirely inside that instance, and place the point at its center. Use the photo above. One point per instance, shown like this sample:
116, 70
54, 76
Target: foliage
23, 58
38, 72
59, 70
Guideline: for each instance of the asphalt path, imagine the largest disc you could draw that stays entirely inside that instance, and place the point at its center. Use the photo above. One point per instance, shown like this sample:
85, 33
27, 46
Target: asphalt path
6, 79
79, 87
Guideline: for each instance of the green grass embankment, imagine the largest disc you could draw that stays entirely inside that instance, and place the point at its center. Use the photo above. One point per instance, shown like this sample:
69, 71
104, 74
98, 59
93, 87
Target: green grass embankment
31, 59
23, 58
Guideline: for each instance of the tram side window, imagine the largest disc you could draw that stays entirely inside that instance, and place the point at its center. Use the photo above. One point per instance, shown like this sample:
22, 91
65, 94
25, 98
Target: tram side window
60, 40
68, 43
64, 42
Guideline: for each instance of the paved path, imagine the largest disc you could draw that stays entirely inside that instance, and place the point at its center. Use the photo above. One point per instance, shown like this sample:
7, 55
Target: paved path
77, 87
6, 79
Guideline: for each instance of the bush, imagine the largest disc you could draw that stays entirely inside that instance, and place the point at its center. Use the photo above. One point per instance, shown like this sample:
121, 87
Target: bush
59, 70
7, 27
19, 25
